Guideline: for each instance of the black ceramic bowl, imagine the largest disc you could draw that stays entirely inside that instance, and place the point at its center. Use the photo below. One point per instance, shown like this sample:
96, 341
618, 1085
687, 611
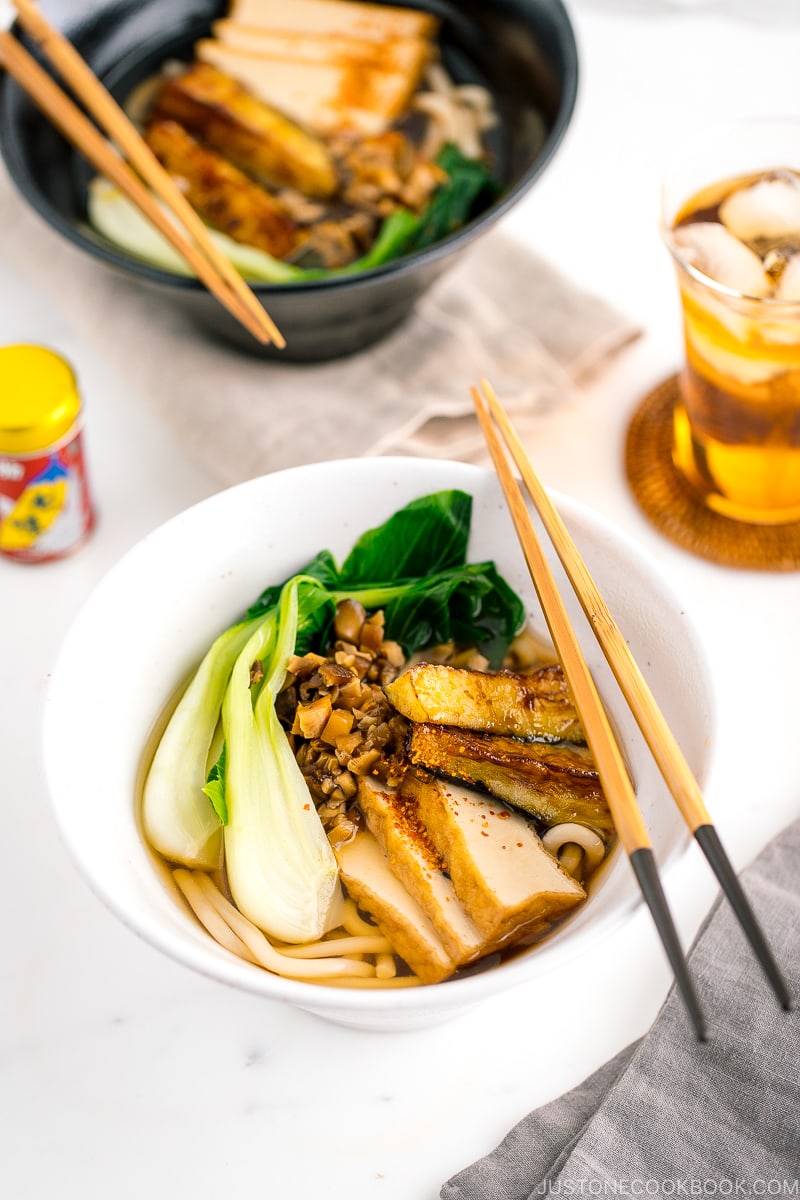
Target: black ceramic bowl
522, 50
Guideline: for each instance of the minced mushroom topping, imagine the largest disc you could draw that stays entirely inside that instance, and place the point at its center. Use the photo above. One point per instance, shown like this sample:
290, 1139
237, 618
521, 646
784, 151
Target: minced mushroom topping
341, 724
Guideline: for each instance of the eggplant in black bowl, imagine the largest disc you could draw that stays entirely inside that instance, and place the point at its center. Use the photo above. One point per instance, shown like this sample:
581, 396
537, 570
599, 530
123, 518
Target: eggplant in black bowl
339, 230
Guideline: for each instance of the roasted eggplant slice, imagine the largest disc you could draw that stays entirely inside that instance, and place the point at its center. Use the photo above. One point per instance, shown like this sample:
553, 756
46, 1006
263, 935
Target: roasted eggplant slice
552, 783
258, 139
221, 194
535, 705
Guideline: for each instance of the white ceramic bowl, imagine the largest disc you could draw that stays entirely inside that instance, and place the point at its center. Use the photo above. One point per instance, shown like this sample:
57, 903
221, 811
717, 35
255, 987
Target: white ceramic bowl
185, 582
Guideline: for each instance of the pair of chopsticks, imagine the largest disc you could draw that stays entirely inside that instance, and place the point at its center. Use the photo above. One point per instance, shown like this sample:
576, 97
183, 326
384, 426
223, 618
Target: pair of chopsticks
199, 251
610, 765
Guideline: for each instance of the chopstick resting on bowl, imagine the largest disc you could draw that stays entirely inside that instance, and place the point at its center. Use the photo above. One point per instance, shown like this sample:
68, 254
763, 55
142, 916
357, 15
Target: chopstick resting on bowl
611, 768
660, 739
198, 249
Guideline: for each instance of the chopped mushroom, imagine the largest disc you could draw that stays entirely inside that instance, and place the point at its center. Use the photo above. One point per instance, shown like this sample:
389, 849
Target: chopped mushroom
343, 725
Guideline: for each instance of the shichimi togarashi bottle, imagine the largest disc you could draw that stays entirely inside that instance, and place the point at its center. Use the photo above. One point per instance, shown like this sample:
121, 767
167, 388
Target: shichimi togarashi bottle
45, 505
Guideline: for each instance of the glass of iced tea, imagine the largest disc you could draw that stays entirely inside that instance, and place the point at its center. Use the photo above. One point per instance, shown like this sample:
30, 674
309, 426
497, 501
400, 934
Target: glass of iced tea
731, 220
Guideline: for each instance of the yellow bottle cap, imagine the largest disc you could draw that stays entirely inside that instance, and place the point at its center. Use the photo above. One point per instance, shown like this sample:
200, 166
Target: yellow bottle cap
39, 399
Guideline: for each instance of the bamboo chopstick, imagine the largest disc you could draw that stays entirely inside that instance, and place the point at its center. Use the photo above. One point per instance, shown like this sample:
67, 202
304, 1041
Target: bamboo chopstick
660, 739
87, 87
34, 80
608, 758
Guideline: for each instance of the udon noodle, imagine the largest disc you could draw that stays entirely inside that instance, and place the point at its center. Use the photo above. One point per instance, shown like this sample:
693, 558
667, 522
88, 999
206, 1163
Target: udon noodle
363, 958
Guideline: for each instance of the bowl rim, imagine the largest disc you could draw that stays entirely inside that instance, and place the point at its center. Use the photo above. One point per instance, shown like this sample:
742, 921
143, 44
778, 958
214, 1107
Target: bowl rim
95, 245
204, 956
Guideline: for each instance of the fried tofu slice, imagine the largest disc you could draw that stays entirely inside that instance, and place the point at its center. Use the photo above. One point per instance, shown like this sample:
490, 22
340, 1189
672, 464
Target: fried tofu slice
553, 783
394, 54
332, 65
393, 819
534, 705
222, 195
372, 22
252, 135
327, 97
366, 873
501, 873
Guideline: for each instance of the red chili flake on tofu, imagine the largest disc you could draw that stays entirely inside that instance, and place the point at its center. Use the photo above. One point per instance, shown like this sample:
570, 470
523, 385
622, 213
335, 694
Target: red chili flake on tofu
504, 815
484, 833
306, 807
406, 811
520, 845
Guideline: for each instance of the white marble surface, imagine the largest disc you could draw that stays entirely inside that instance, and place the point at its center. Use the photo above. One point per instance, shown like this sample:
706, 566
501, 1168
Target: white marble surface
122, 1074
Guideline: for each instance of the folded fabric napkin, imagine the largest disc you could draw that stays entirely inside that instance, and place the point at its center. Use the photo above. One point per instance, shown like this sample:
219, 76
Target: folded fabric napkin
501, 312
669, 1115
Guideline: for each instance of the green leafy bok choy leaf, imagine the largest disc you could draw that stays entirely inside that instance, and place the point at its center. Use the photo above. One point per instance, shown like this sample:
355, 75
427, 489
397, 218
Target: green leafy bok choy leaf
414, 567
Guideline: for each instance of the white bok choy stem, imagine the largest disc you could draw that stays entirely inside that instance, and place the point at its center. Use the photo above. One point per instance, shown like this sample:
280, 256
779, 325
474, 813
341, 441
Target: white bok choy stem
281, 869
179, 819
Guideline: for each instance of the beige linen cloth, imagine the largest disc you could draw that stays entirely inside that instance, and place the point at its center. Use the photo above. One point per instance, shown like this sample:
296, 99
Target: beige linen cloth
501, 312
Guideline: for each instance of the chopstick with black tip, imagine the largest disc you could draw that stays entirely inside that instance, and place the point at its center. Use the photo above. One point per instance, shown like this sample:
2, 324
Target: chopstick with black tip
610, 764
113, 120
651, 721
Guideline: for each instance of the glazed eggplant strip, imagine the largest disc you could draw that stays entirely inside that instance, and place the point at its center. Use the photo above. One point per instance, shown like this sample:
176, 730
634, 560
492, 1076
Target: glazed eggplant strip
256, 138
221, 193
553, 783
535, 705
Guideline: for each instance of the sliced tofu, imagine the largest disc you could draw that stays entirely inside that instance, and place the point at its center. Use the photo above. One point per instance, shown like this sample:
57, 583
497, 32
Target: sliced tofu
366, 873
392, 54
373, 22
501, 873
222, 194
393, 819
554, 783
535, 705
255, 137
325, 97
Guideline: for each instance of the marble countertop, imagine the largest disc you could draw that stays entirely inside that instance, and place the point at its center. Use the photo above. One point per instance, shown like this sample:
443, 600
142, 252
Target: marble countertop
123, 1074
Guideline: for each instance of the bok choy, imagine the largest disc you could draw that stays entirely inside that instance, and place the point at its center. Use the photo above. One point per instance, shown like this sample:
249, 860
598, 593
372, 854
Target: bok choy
179, 821
281, 869
414, 567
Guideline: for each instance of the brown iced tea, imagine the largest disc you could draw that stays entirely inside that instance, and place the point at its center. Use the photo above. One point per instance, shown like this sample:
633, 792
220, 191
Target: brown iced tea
737, 426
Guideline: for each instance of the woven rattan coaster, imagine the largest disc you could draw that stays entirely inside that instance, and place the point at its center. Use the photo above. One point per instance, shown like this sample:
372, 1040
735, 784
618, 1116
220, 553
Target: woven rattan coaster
672, 505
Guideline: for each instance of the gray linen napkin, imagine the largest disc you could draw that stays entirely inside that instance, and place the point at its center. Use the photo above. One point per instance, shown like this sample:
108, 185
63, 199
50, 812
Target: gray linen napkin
669, 1116
501, 312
